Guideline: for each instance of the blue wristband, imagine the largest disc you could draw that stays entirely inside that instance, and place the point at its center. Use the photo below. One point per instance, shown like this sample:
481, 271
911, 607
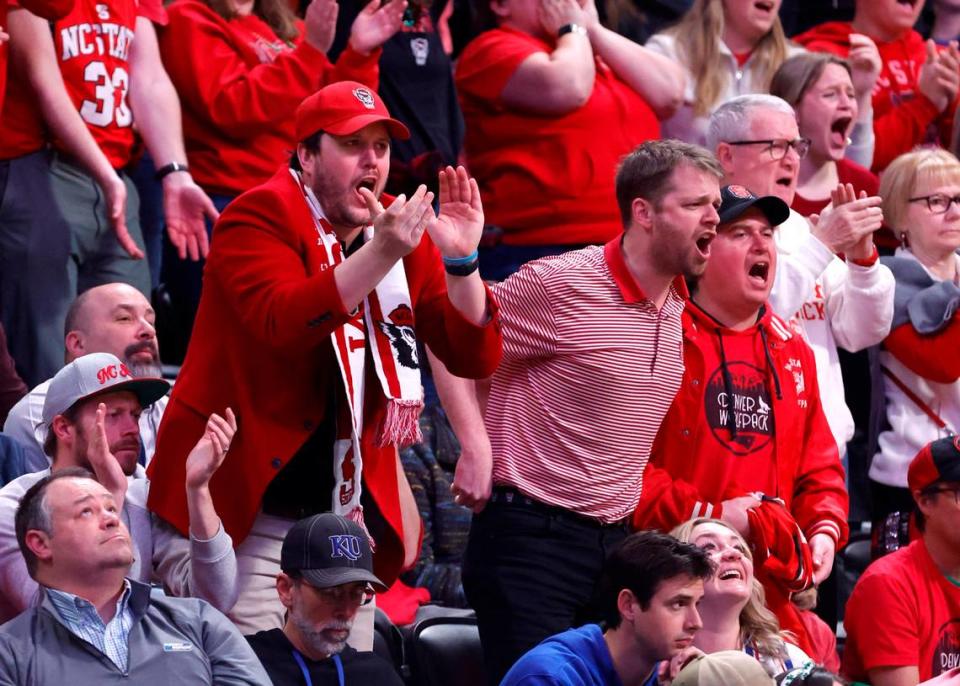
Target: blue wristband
459, 261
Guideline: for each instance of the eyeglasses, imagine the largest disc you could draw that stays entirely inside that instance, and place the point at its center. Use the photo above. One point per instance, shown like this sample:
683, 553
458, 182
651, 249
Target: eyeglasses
778, 148
938, 203
342, 595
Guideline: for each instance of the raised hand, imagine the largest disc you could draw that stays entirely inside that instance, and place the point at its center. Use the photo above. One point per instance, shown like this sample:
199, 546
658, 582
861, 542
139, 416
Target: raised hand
185, 206
849, 224
320, 24
939, 77
375, 25
210, 451
865, 64
456, 231
105, 466
398, 229
557, 13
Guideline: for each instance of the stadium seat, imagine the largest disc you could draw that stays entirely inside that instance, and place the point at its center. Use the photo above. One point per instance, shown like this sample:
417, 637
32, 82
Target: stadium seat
446, 650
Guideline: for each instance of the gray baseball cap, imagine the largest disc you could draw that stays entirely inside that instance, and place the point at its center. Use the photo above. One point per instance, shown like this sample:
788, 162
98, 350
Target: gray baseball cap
328, 550
92, 375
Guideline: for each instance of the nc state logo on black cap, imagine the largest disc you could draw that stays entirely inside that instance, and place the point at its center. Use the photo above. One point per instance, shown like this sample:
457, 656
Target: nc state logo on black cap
739, 192
364, 96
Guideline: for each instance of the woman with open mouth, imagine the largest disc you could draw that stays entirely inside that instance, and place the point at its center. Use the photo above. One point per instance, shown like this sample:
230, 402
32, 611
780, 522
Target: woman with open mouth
733, 609
830, 100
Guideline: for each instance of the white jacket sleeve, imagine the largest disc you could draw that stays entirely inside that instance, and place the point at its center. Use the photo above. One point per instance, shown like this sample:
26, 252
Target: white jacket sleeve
859, 304
861, 149
801, 260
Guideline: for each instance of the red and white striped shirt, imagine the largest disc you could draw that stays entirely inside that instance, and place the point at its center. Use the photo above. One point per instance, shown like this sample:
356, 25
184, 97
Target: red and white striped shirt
590, 368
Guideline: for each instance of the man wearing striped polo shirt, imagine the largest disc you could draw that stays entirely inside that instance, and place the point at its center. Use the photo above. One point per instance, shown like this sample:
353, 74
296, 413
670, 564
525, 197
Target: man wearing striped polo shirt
592, 361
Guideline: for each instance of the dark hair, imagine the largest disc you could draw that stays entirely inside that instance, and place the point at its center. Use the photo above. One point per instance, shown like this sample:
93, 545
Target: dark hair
277, 14
50, 442
311, 143
33, 514
641, 563
646, 172
810, 676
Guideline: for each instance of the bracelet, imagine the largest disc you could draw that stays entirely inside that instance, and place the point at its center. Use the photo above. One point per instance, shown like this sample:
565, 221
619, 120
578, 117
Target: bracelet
171, 168
571, 28
462, 266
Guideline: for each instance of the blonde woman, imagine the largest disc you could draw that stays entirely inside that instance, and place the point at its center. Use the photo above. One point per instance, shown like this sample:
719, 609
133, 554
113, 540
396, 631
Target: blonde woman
733, 608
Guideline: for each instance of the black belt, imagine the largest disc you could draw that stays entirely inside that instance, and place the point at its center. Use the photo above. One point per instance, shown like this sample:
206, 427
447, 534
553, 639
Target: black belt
508, 495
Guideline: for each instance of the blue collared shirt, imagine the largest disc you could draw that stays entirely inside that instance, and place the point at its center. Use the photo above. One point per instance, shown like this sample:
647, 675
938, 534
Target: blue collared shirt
81, 618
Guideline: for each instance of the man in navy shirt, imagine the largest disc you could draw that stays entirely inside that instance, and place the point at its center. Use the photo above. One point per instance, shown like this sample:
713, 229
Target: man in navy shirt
650, 588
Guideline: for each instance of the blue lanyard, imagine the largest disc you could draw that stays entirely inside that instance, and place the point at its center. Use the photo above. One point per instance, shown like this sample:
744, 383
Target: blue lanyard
306, 672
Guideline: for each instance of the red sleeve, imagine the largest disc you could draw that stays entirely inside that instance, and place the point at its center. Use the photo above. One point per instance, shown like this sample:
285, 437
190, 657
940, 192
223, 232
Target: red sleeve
228, 93
903, 127
153, 10
881, 626
490, 60
467, 350
256, 262
820, 501
48, 9
933, 356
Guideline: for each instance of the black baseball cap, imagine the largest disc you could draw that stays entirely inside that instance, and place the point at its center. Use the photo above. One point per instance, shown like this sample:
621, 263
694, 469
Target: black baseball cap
936, 461
328, 550
735, 200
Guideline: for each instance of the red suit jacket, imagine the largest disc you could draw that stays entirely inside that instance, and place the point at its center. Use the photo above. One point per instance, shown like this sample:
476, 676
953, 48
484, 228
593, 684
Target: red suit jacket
261, 345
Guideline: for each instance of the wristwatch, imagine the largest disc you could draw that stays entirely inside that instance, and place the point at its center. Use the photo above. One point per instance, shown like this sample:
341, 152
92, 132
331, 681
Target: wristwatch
571, 28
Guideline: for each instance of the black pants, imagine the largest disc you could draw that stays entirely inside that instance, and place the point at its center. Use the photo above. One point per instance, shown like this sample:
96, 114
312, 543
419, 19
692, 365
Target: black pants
530, 571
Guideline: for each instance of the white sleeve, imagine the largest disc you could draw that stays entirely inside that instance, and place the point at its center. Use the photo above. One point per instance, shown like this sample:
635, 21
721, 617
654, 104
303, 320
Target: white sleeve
798, 268
21, 425
861, 149
859, 304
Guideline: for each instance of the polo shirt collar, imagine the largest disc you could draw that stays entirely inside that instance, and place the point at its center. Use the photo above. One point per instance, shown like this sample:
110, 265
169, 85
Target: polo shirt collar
630, 290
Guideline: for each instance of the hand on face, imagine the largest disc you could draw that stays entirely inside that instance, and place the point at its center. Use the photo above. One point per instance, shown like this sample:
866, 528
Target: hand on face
557, 13
375, 25
105, 466
399, 228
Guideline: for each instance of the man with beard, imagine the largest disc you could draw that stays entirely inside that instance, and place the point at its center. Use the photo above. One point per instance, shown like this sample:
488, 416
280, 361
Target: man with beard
91, 412
305, 273
327, 573
592, 361
96, 623
114, 318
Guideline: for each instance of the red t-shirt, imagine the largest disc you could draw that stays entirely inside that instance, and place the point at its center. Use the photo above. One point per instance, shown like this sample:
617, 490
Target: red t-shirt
546, 179
93, 47
903, 612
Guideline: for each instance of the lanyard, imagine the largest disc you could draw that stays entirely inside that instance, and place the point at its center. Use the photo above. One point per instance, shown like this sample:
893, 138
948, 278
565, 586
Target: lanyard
306, 673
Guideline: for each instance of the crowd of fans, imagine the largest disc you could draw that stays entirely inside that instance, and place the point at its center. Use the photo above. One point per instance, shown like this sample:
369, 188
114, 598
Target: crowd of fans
614, 322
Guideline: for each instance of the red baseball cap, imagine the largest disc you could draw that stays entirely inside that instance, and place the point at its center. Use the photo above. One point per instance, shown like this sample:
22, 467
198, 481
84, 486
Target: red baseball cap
936, 461
343, 108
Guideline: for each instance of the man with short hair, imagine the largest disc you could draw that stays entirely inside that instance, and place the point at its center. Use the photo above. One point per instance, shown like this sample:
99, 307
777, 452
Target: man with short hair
902, 617
650, 588
114, 318
748, 418
314, 300
91, 410
592, 361
93, 625
327, 573
830, 285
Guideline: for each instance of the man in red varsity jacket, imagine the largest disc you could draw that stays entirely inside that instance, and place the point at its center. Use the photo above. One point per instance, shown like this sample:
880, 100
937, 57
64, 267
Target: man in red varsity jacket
747, 421
306, 328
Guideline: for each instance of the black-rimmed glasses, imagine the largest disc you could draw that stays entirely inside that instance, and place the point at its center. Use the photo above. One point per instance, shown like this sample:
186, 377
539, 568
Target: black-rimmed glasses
778, 147
938, 203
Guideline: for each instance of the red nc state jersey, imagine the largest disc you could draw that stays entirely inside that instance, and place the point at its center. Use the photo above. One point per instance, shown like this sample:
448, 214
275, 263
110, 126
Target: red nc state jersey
93, 47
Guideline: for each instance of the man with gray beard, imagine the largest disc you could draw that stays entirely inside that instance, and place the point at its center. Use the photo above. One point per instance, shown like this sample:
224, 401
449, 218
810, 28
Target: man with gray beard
327, 574
113, 318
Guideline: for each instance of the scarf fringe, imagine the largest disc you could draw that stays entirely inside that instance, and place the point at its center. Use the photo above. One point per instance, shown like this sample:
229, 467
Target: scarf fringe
356, 515
401, 426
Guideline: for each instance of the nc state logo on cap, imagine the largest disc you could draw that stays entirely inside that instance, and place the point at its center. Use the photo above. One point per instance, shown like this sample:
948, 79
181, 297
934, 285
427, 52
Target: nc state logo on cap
112, 371
739, 192
364, 96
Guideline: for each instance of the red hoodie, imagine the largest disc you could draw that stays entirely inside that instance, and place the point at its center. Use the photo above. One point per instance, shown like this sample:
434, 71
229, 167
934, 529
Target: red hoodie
775, 440
902, 116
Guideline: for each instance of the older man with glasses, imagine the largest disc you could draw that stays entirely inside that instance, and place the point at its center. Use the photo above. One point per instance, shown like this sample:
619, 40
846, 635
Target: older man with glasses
327, 575
830, 285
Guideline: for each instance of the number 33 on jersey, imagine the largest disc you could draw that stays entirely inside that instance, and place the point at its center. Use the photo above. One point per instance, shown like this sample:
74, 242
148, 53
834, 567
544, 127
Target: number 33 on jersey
93, 47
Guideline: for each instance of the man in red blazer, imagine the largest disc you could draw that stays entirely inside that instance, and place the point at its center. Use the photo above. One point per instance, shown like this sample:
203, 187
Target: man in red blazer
314, 297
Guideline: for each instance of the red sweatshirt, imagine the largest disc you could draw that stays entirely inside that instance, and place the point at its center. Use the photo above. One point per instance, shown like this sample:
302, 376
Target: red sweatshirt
747, 418
239, 86
902, 116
